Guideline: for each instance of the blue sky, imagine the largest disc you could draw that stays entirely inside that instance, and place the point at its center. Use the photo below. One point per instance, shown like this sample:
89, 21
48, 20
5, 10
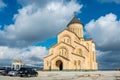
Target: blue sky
28, 28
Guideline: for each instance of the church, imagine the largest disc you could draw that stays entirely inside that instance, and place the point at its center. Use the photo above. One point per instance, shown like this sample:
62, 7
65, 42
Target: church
72, 51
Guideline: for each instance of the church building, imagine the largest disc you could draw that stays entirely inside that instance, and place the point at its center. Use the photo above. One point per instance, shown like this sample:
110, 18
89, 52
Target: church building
72, 51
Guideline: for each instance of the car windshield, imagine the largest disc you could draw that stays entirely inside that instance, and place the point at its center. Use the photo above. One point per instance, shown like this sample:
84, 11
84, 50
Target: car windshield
26, 69
2, 69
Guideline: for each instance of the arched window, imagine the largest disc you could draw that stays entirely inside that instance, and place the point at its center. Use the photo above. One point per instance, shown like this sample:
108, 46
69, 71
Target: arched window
80, 52
67, 39
63, 52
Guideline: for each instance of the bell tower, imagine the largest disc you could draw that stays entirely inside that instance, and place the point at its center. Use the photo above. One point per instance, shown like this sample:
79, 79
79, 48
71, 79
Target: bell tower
76, 27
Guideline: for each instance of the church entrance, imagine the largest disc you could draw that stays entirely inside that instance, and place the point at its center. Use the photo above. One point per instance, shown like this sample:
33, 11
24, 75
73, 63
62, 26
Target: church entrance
59, 64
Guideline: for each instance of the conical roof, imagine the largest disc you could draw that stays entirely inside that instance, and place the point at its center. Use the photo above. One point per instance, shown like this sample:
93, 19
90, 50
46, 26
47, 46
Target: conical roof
74, 20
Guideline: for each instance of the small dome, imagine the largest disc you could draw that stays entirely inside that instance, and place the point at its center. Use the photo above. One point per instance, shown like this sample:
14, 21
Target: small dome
17, 61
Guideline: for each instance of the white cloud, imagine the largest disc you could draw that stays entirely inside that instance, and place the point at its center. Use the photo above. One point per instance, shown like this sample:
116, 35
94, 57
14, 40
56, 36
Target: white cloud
108, 59
40, 3
105, 1
2, 4
35, 23
105, 32
100, 54
29, 55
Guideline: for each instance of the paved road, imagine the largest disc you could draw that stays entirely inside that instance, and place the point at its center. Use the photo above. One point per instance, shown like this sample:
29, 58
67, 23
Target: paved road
97, 75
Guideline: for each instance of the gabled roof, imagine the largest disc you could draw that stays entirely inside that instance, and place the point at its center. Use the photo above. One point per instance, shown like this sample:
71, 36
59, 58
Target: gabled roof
74, 20
70, 32
82, 45
62, 43
61, 57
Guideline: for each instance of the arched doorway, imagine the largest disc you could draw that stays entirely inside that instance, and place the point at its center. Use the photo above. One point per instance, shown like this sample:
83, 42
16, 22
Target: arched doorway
59, 64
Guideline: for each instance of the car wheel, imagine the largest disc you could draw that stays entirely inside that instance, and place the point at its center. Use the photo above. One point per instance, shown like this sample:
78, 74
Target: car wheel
29, 75
21, 75
36, 75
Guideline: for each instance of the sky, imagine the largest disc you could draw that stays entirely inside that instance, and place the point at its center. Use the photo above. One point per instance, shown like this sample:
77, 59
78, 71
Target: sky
28, 28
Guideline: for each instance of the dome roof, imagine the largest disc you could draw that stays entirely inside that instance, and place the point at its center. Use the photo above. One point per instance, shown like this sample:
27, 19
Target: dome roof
74, 20
17, 61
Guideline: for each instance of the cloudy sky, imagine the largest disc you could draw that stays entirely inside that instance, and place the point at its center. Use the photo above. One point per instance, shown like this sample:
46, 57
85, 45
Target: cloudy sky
28, 28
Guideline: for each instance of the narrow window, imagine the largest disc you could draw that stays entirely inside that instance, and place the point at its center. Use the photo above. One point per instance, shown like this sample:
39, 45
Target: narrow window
78, 62
74, 62
47, 63
80, 52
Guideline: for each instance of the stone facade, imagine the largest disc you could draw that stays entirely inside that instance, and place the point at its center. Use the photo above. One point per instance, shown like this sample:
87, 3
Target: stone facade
72, 51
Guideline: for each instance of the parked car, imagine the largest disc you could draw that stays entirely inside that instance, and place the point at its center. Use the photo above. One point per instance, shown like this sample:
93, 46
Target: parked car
1, 70
13, 73
27, 72
4, 71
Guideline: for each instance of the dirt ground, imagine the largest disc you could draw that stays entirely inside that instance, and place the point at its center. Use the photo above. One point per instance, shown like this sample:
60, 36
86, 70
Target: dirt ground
71, 75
